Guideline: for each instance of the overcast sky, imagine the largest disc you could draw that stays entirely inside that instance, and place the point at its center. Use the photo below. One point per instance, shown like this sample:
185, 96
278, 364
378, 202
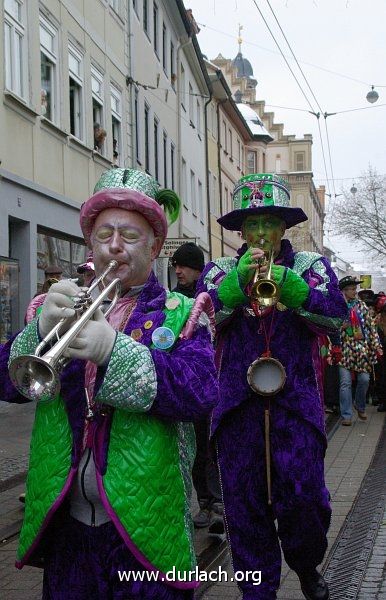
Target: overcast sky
344, 36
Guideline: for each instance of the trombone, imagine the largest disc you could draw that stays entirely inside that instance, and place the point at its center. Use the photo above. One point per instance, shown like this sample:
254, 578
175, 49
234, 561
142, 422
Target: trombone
264, 291
37, 376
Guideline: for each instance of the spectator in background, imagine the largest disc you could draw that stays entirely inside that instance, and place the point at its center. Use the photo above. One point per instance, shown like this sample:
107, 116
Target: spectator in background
188, 262
87, 270
99, 137
360, 348
380, 367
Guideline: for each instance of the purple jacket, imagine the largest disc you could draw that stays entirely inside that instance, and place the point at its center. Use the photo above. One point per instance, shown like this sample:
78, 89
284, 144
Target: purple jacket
294, 338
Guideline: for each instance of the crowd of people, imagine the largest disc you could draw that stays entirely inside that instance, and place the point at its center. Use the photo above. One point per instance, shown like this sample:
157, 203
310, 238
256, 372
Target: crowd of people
217, 383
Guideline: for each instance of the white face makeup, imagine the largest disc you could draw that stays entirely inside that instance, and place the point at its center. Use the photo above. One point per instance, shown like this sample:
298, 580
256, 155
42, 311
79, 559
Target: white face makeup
124, 236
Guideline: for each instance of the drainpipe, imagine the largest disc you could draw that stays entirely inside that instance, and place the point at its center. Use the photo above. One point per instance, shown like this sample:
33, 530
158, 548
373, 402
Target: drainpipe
207, 172
181, 46
219, 168
131, 91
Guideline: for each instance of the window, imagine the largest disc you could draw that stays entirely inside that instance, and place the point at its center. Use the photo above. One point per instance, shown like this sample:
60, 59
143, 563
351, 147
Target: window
136, 125
156, 157
183, 87
98, 109
172, 163
299, 161
191, 100
155, 29
239, 155
173, 74
200, 202
193, 198
75, 69
230, 144
164, 53
14, 46
116, 122
198, 119
226, 199
215, 197
214, 121
278, 164
48, 70
115, 4
146, 17
55, 249
147, 155
183, 183
251, 161
165, 153
224, 140
135, 6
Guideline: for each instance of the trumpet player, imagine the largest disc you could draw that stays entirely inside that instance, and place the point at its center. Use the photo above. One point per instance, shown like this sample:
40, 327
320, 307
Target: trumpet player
107, 510
275, 475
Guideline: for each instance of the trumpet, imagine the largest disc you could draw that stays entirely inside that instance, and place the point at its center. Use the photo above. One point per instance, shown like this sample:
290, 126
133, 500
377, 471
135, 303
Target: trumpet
37, 376
264, 290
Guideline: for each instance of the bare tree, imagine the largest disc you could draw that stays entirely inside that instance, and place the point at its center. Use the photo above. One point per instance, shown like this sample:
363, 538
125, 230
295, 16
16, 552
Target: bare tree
361, 216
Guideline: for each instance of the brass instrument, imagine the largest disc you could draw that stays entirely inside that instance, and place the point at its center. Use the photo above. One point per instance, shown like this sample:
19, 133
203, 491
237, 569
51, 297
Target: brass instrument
37, 376
264, 290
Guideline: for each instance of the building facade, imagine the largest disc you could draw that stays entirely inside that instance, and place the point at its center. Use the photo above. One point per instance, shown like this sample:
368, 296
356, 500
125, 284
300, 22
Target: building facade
64, 73
284, 154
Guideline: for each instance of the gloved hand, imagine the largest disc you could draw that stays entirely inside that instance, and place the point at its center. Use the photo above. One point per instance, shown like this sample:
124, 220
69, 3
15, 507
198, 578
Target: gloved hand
294, 290
336, 355
94, 342
57, 305
244, 270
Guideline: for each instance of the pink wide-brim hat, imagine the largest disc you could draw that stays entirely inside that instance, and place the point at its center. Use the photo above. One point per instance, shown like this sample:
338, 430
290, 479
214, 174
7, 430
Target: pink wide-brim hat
127, 199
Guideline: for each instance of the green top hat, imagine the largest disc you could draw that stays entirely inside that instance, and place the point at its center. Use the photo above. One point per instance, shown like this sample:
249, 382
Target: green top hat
261, 193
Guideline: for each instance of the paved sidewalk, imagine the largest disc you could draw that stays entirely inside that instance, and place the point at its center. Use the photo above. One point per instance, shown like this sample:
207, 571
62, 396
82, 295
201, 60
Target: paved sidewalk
348, 456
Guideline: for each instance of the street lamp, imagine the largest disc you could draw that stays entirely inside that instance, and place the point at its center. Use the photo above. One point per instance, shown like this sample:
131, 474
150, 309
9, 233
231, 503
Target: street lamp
372, 96
353, 189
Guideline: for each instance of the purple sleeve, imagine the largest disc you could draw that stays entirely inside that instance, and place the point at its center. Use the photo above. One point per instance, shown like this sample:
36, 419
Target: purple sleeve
8, 392
328, 301
187, 385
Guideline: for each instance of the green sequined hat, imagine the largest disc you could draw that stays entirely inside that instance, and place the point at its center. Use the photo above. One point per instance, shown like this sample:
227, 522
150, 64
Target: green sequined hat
131, 190
261, 193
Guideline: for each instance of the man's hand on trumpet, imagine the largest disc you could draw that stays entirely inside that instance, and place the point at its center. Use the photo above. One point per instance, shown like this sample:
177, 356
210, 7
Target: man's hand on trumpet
94, 342
59, 304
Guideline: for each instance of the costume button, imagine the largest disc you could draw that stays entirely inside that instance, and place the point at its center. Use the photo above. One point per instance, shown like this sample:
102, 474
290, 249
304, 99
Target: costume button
136, 334
148, 325
163, 338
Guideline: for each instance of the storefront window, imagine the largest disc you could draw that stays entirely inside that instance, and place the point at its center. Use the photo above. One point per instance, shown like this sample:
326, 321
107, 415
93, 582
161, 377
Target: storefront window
66, 253
9, 298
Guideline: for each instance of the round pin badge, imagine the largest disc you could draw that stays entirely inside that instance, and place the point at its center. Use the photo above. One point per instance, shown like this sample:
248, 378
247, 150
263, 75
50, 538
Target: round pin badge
172, 303
148, 324
136, 334
163, 338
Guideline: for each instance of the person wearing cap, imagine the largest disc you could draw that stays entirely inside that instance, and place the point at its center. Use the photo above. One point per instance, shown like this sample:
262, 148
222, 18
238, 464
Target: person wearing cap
188, 261
361, 348
380, 367
87, 270
108, 490
294, 446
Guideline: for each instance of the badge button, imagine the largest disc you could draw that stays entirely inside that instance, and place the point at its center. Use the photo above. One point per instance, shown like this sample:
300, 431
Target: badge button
163, 338
172, 303
148, 324
136, 334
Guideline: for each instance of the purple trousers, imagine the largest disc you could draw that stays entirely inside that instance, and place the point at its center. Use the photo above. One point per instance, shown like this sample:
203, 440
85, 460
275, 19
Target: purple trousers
82, 562
300, 513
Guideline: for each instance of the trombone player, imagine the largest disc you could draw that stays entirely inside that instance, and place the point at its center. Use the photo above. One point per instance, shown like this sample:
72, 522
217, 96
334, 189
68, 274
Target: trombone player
111, 453
267, 348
